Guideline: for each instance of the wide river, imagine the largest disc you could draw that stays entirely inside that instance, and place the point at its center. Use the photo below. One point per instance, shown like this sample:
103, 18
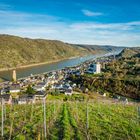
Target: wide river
24, 72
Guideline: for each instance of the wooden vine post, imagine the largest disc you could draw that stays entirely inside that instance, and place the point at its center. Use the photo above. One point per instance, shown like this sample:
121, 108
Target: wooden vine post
44, 104
2, 118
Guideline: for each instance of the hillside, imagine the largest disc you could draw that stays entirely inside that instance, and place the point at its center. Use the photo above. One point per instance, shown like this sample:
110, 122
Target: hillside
130, 52
99, 48
16, 51
119, 77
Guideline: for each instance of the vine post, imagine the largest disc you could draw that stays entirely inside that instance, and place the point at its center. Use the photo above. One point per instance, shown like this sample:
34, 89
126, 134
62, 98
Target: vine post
44, 104
87, 120
31, 112
138, 114
54, 106
4, 112
2, 118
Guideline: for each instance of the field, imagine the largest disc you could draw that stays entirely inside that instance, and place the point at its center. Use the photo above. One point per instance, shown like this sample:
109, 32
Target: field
71, 120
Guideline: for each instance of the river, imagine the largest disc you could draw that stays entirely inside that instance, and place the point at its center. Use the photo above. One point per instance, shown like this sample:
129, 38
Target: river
24, 72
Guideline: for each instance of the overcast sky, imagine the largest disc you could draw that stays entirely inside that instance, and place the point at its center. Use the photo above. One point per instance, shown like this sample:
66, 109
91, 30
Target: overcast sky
112, 22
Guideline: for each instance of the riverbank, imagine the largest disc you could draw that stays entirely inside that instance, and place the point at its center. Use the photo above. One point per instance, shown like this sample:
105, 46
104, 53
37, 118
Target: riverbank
34, 69
37, 64
46, 67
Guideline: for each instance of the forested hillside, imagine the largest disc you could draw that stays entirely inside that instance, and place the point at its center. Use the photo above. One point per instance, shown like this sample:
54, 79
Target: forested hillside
119, 77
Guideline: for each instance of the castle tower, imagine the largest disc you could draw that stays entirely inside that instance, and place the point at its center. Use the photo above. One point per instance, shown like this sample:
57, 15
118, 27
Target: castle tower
14, 76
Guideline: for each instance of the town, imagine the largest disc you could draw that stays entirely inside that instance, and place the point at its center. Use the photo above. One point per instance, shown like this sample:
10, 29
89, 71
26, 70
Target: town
34, 88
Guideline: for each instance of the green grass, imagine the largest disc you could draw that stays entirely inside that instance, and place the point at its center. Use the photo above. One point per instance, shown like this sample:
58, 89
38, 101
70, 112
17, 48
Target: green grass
109, 121
68, 120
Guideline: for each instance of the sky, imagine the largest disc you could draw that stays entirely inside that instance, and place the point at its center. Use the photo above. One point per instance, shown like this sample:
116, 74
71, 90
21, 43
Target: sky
100, 22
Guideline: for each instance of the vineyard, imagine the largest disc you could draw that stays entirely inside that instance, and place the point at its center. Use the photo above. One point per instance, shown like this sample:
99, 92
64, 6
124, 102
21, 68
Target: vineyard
70, 120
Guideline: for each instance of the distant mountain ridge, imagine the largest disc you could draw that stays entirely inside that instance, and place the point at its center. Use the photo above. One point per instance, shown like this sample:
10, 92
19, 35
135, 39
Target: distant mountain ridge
17, 51
99, 48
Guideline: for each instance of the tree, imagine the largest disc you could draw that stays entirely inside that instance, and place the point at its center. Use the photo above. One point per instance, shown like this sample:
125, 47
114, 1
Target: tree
30, 90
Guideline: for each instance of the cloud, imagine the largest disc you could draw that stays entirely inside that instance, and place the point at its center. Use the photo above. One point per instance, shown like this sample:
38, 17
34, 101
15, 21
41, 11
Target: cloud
5, 6
106, 26
51, 27
91, 13
12, 16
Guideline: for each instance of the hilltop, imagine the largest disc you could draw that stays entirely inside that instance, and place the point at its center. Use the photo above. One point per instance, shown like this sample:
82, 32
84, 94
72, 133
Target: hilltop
17, 51
130, 52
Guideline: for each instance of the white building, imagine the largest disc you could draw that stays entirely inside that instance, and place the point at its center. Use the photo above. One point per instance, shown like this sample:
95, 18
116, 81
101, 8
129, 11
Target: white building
39, 95
40, 86
69, 91
15, 88
94, 68
26, 99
